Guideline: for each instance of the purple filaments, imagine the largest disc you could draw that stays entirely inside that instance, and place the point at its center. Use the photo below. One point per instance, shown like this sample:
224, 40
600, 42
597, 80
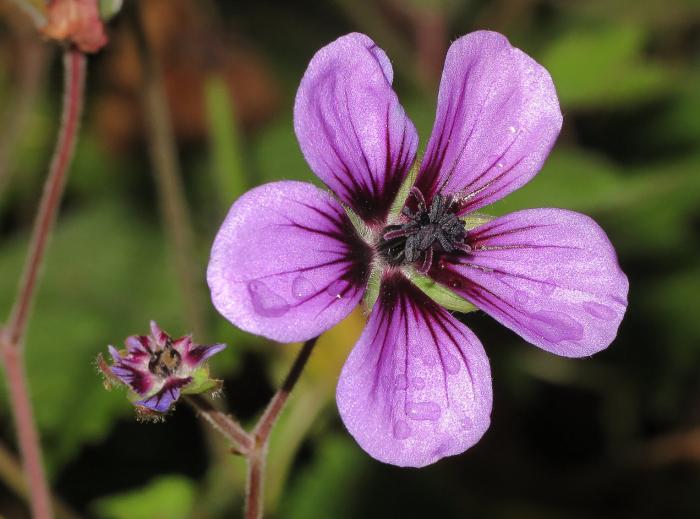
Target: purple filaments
427, 230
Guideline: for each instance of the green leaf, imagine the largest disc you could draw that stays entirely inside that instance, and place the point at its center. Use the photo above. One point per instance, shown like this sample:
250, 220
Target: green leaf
226, 147
278, 157
604, 67
168, 497
328, 487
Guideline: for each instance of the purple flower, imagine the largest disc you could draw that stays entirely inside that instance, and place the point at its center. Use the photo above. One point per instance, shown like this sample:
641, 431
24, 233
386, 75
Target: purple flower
157, 368
288, 262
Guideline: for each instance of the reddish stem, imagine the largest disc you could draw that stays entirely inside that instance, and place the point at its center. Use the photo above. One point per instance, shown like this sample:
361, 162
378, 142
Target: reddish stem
261, 434
12, 337
27, 436
242, 441
74, 65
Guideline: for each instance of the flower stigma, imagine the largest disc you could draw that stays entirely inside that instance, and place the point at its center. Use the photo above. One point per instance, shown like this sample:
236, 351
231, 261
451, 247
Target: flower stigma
426, 231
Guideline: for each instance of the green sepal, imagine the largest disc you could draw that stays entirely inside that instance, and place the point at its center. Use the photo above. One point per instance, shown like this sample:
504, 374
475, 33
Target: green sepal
374, 282
473, 220
441, 294
402, 195
201, 383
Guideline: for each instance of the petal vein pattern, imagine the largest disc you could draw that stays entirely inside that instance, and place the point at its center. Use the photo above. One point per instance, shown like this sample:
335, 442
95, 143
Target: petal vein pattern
287, 263
417, 386
497, 118
351, 128
550, 275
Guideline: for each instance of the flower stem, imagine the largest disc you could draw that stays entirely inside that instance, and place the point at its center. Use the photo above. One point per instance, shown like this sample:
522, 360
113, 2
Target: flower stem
222, 422
74, 67
262, 430
12, 337
253, 445
27, 436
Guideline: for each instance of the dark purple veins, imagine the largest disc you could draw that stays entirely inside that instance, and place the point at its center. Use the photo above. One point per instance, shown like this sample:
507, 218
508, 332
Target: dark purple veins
425, 232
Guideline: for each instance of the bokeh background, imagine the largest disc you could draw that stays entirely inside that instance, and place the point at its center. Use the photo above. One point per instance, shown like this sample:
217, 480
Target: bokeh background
616, 435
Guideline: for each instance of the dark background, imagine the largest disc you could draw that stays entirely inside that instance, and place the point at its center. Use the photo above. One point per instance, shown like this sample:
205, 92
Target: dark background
616, 435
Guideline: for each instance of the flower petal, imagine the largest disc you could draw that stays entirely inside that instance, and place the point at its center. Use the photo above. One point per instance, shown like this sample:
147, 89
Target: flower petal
417, 386
166, 397
200, 353
287, 263
550, 275
138, 378
497, 118
351, 128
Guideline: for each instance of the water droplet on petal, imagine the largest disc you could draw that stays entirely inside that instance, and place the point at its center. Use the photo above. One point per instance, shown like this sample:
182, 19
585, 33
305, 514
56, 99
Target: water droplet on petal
401, 383
556, 326
302, 287
423, 410
521, 297
401, 430
451, 364
418, 383
500, 165
266, 302
547, 287
429, 359
337, 288
600, 311
512, 129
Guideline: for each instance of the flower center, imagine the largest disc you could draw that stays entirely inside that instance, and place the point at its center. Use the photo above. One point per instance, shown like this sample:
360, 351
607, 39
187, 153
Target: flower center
428, 230
166, 361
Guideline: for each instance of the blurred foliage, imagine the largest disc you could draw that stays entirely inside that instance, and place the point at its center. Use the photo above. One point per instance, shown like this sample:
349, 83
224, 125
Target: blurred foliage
569, 438
168, 497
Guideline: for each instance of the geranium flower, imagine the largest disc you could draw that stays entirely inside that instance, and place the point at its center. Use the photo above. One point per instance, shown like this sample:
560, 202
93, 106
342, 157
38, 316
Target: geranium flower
158, 368
290, 261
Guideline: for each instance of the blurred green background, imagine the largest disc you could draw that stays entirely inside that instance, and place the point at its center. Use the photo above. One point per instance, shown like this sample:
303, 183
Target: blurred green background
616, 435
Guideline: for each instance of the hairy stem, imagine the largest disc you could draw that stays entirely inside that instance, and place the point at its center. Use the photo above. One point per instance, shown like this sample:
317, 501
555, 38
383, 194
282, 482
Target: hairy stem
175, 213
262, 430
253, 445
12, 337
223, 423
74, 67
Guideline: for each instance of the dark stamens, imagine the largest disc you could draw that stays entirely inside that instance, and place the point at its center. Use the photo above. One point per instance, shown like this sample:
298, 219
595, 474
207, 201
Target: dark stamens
426, 231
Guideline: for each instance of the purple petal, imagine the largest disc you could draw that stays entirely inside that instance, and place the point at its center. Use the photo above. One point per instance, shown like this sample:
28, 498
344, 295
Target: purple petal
159, 335
287, 263
351, 128
417, 386
138, 344
497, 118
199, 354
116, 357
183, 344
140, 380
166, 397
550, 275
